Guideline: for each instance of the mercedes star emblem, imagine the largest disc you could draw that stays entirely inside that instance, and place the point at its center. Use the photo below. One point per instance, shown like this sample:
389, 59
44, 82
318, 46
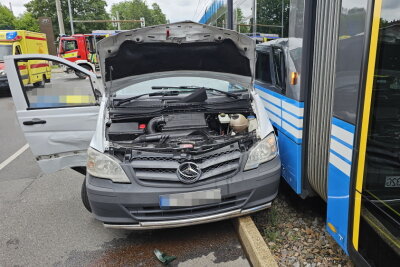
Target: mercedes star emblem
188, 172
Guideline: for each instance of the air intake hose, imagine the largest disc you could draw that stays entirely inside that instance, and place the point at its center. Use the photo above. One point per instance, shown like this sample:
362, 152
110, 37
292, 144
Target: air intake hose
154, 124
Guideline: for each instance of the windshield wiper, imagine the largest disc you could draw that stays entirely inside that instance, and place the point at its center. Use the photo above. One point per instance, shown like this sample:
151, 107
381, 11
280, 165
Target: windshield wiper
166, 93
194, 88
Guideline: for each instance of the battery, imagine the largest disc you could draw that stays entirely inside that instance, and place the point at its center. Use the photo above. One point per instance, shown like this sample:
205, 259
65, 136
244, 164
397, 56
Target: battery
124, 131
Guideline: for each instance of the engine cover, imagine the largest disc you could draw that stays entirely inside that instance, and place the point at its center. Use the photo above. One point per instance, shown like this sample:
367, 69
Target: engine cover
185, 121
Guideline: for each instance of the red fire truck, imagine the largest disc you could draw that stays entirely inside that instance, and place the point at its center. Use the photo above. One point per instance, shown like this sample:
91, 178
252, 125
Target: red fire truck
81, 49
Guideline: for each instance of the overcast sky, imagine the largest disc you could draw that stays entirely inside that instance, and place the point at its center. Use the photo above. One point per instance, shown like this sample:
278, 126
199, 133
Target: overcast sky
175, 10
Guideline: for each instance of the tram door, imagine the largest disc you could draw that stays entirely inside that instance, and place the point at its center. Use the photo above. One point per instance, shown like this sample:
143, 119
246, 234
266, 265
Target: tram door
376, 192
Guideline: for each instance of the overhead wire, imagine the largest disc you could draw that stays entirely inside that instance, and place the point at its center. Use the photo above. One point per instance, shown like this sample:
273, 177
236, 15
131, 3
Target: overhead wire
195, 12
203, 8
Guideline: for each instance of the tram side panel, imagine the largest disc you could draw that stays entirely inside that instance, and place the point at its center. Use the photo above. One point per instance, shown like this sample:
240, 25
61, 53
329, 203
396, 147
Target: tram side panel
348, 84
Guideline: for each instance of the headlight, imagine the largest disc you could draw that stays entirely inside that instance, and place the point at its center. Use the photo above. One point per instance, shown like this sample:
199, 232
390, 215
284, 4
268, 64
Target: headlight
105, 166
2, 72
264, 151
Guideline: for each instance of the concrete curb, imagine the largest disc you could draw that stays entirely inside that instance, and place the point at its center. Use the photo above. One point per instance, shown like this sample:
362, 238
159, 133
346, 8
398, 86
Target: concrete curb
254, 245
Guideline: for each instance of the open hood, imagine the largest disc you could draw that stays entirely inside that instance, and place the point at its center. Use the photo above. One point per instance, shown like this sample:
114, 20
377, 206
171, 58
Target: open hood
177, 49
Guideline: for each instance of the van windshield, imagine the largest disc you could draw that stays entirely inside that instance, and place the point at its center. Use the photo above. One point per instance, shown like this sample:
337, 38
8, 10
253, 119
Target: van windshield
146, 86
5, 50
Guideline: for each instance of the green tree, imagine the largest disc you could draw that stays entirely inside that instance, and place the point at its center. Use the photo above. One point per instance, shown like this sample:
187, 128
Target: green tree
240, 20
81, 10
27, 22
269, 12
135, 9
157, 16
7, 19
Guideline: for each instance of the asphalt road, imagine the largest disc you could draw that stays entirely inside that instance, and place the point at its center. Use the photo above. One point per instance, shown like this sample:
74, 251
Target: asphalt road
43, 222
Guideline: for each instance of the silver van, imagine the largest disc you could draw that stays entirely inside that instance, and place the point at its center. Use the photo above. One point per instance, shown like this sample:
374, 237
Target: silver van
173, 134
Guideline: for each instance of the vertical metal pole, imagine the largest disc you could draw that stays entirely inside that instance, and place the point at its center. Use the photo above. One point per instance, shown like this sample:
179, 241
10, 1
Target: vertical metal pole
70, 17
282, 20
230, 14
60, 17
118, 23
254, 17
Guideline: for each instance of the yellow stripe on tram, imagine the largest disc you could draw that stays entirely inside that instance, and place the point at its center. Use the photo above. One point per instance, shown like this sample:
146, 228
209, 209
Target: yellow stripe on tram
365, 119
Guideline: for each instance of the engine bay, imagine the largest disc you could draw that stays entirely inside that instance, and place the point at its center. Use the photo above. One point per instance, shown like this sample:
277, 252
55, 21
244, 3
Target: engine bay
184, 131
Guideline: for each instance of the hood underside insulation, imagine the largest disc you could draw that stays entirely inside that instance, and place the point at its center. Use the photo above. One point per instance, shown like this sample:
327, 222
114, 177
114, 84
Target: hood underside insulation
141, 58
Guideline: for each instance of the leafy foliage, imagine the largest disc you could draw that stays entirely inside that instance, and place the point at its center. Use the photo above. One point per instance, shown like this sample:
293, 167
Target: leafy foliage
134, 10
24, 22
240, 20
81, 10
269, 12
27, 22
7, 19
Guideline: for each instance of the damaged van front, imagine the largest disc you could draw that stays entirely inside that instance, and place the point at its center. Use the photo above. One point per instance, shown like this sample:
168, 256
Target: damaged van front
182, 138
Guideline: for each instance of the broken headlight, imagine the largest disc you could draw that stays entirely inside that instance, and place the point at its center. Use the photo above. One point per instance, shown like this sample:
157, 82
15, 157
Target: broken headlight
264, 151
105, 166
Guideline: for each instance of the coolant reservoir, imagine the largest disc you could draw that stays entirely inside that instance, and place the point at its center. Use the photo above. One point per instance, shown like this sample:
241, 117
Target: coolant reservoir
224, 118
253, 123
238, 123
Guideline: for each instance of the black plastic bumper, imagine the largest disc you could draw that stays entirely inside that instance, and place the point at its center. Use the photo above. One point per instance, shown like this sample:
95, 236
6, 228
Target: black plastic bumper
133, 206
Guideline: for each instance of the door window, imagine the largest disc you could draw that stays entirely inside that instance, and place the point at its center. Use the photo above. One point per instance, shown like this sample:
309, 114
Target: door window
263, 69
48, 84
380, 211
70, 45
17, 50
5, 50
90, 44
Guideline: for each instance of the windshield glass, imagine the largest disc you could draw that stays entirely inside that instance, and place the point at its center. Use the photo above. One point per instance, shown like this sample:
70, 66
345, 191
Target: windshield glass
5, 50
146, 87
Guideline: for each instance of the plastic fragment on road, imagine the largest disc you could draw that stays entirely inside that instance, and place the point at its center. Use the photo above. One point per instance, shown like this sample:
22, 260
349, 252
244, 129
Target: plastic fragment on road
164, 258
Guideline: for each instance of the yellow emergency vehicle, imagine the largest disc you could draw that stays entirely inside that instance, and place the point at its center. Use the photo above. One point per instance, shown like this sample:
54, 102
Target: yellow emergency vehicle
15, 42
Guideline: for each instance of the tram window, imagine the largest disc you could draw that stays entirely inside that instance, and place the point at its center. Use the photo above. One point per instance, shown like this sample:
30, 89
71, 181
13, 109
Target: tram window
263, 70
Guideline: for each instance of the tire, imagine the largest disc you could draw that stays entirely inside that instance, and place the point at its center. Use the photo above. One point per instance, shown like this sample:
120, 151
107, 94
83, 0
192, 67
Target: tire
5, 92
84, 196
82, 75
45, 79
40, 84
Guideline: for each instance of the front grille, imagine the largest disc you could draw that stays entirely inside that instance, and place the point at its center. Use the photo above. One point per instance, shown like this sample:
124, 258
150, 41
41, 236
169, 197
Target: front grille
220, 163
155, 213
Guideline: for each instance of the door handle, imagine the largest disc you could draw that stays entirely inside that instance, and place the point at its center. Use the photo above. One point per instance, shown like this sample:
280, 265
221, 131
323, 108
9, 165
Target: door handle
34, 121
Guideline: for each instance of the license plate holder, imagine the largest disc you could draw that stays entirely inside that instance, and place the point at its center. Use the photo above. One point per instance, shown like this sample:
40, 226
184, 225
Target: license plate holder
190, 199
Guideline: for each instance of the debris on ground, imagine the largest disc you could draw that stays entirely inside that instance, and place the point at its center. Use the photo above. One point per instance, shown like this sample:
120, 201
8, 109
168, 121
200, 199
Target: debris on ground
164, 258
294, 230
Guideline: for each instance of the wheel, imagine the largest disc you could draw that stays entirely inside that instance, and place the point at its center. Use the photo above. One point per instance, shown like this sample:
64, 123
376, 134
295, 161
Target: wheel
5, 92
82, 75
84, 196
40, 84
45, 79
